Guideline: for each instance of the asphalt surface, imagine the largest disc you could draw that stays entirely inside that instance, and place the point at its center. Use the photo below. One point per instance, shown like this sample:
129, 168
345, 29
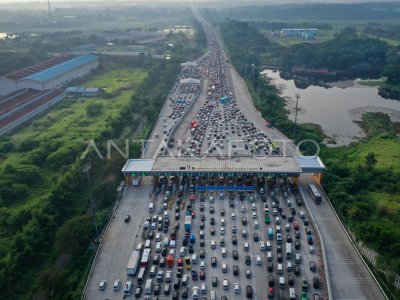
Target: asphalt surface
348, 275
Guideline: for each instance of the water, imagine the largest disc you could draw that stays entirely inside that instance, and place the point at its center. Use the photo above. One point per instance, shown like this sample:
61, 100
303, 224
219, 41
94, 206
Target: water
334, 109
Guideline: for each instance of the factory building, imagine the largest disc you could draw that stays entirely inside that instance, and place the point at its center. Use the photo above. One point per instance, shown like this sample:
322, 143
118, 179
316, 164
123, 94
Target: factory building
50, 74
306, 33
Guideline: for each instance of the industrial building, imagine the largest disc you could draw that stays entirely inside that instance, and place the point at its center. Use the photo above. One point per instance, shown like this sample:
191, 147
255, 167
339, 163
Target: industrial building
81, 91
306, 33
50, 74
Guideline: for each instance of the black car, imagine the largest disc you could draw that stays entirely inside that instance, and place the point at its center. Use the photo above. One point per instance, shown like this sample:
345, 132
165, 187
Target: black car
202, 253
255, 236
151, 235
202, 243
247, 260
185, 241
185, 292
213, 261
127, 218
202, 217
156, 259
214, 281
191, 249
222, 212
271, 281
235, 270
167, 289
270, 266
297, 270
231, 204
212, 231
279, 257
249, 292
290, 280
297, 245
138, 292
212, 221
157, 290
202, 225
212, 209
175, 295
235, 254
234, 240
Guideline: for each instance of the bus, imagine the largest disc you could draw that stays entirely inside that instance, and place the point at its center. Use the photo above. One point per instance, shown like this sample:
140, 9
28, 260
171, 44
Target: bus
314, 193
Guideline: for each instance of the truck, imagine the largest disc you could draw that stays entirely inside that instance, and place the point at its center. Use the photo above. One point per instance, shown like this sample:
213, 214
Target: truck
188, 223
145, 257
133, 263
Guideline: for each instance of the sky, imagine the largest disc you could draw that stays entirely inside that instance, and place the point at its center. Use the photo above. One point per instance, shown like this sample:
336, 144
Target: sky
205, 1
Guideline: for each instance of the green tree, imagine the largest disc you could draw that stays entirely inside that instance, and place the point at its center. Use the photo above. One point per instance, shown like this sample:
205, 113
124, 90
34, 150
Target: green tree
370, 160
74, 236
94, 109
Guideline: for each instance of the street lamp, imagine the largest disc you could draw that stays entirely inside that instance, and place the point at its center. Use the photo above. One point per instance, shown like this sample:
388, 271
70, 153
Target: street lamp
295, 115
86, 170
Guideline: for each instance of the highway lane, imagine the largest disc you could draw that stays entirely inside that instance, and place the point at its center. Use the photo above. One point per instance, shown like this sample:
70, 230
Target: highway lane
349, 276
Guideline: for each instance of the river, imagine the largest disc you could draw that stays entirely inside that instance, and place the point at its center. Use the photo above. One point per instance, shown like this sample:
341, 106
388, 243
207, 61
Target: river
335, 108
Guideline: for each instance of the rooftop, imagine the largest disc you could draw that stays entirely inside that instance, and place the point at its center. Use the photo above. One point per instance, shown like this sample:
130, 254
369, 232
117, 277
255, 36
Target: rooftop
19, 74
61, 68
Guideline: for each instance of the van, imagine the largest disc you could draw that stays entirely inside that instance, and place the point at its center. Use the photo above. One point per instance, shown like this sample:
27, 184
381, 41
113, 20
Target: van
269, 256
256, 225
194, 259
213, 295
292, 294
282, 282
128, 289
151, 207
142, 273
146, 225
289, 266
280, 269
148, 287
166, 242
147, 244
268, 245
223, 252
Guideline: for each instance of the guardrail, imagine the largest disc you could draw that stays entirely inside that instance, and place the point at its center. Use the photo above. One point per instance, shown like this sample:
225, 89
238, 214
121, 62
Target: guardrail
354, 244
98, 248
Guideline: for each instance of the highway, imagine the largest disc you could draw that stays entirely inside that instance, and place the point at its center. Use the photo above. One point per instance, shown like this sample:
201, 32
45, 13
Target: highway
240, 121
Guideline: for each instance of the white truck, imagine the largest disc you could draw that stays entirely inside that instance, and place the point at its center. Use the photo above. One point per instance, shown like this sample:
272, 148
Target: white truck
133, 263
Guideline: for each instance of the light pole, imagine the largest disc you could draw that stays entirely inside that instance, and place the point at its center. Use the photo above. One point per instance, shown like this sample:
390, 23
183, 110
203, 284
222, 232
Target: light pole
295, 114
86, 170
252, 65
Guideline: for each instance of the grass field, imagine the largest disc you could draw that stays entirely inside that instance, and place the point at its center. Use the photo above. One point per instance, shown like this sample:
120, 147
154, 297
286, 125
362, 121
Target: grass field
68, 123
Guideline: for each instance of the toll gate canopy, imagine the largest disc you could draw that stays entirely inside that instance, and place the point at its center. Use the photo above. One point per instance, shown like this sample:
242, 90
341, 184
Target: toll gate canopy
223, 166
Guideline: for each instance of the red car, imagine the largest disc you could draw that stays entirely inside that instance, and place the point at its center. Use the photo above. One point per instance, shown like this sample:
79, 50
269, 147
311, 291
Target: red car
193, 214
296, 226
202, 275
180, 262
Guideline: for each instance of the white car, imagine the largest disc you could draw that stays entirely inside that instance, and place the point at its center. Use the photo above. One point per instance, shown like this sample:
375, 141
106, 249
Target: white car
236, 288
102, 285
254, 215
202, 265
168, 276
195, 294
234, 229
258, 260
262, 246
222, 231
213, 245
117, 285
225, 284
243, 209
203, 288
233, 216
224, 268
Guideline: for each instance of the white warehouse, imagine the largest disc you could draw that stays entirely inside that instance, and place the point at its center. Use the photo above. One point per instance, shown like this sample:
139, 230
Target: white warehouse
50, 74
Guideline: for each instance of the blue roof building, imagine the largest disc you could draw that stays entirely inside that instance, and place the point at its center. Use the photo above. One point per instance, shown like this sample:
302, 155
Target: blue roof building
50, 74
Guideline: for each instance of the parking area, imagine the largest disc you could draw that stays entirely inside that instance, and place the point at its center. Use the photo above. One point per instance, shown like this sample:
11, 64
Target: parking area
228, 239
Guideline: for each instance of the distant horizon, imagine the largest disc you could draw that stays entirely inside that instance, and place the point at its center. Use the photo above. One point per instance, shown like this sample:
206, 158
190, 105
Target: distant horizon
267, 2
